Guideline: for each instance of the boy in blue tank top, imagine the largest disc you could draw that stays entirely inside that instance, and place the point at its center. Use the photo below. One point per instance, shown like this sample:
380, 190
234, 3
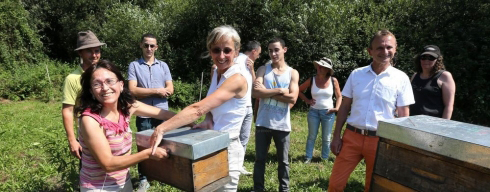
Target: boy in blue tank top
277, 85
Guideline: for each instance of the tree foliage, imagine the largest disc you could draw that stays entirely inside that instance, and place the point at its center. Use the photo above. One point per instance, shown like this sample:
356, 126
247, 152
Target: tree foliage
340, 30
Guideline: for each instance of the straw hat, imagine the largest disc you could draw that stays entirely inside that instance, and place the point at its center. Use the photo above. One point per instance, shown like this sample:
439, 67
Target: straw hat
87, 39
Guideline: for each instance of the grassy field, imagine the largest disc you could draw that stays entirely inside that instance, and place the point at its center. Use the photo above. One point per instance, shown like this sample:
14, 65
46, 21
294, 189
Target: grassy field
34, 155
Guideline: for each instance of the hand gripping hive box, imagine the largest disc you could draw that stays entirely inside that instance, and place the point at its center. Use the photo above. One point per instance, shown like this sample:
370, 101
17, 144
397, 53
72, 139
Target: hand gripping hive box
423, 153
198, 159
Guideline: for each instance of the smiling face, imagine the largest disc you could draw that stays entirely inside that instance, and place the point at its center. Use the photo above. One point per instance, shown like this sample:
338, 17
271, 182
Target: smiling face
223, 53
90, 56
276, 52
148, 47
106, 87
383, 49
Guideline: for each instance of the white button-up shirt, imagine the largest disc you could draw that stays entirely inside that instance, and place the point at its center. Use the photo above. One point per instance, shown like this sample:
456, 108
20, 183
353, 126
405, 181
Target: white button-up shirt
375, 97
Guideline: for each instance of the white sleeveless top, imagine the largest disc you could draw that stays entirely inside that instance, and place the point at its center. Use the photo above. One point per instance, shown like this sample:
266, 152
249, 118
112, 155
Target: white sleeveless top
241, 60
274, 114
323, 97
228, 117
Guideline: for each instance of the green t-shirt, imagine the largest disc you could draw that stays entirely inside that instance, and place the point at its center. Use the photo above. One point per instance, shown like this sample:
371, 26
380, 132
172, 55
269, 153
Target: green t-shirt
72, 86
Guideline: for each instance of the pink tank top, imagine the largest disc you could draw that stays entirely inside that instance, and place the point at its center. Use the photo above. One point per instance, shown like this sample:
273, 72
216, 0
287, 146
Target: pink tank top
119, 137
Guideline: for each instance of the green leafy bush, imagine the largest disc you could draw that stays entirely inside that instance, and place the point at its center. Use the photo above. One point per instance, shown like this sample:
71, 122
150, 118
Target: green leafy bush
340, 30
34, 81
186, 94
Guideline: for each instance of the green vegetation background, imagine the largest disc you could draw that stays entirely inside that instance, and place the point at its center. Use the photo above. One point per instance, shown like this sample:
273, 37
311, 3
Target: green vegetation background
37, 39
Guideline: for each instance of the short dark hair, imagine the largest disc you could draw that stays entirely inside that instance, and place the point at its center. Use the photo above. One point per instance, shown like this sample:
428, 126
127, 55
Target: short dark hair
251, 45
86, 100
277, 39
380, 33
147, 35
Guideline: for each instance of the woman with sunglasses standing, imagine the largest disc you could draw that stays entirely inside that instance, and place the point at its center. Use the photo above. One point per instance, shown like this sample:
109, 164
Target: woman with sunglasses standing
225, 106
433, 87
104, 108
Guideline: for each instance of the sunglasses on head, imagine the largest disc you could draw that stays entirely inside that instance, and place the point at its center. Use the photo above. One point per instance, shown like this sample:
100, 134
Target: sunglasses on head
218, 50
146, 45
427, 57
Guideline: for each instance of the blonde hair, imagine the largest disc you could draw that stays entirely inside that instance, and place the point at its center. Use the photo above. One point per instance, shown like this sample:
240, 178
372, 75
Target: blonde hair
223, 31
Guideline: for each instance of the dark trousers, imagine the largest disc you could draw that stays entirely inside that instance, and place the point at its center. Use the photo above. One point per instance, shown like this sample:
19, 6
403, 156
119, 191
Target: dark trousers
145, 124
263, 138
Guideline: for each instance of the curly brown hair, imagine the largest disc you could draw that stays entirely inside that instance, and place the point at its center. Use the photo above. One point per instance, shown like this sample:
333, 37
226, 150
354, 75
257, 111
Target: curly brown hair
438, 66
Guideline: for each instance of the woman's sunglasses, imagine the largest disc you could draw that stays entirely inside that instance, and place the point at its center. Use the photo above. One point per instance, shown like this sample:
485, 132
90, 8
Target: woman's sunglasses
218, 50
427, 57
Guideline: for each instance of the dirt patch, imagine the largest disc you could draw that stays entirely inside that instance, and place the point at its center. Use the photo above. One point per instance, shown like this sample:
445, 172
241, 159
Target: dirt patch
3, 177
5, 101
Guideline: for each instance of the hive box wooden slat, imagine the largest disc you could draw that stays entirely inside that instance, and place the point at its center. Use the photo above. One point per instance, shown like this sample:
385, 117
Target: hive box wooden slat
198, 160
422, 153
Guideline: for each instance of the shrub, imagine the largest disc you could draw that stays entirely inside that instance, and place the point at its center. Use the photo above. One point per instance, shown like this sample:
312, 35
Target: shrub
186, 94
33, 82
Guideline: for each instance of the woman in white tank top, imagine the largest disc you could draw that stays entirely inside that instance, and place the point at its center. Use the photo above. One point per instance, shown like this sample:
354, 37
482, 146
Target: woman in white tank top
225, 106
320, 90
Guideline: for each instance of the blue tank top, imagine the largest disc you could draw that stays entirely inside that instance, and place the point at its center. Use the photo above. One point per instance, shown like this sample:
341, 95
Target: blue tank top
274, 114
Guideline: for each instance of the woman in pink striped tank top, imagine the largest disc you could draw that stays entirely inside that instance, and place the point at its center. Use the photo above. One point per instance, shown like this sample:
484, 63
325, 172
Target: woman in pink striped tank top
104, 108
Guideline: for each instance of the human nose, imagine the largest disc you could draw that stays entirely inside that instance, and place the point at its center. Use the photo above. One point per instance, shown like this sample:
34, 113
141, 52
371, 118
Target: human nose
104, 86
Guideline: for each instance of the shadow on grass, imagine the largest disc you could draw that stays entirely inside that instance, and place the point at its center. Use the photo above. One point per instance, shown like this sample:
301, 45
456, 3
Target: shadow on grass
322, 183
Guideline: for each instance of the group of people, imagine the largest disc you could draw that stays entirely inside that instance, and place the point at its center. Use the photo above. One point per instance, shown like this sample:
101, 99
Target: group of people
95, 94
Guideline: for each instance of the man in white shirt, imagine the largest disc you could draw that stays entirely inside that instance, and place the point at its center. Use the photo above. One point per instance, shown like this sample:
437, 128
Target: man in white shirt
371, 93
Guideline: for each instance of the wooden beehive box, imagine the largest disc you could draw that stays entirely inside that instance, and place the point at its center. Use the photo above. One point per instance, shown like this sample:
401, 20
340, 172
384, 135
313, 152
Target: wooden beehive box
423, 153
198, 160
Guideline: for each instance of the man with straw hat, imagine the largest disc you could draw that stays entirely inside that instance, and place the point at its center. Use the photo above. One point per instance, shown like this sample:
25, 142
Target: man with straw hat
88, 48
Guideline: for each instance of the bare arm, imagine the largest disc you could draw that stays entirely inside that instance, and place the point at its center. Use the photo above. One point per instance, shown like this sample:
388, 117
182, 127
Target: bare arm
142, 109
259, 90
67, 114
338, 95
139, 92
403, 111
344, 110
169, 86
304, 86
250, 65
292, 95
99, 147
448, 91
208, 122
233, 87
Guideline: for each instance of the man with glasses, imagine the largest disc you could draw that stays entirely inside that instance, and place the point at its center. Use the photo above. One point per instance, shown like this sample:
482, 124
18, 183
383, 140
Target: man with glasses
277, 87
371, 93
150, 82
88, 48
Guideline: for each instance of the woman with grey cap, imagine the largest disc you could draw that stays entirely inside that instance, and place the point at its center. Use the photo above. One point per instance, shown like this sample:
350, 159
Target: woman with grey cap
433, 87
320, 89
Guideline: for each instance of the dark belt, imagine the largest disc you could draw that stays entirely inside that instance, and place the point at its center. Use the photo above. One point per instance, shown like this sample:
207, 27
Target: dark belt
361, 131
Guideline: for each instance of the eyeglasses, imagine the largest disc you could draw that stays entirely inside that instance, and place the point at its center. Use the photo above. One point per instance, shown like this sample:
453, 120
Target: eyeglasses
109, 82
427, 57
226, 50
146, 45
